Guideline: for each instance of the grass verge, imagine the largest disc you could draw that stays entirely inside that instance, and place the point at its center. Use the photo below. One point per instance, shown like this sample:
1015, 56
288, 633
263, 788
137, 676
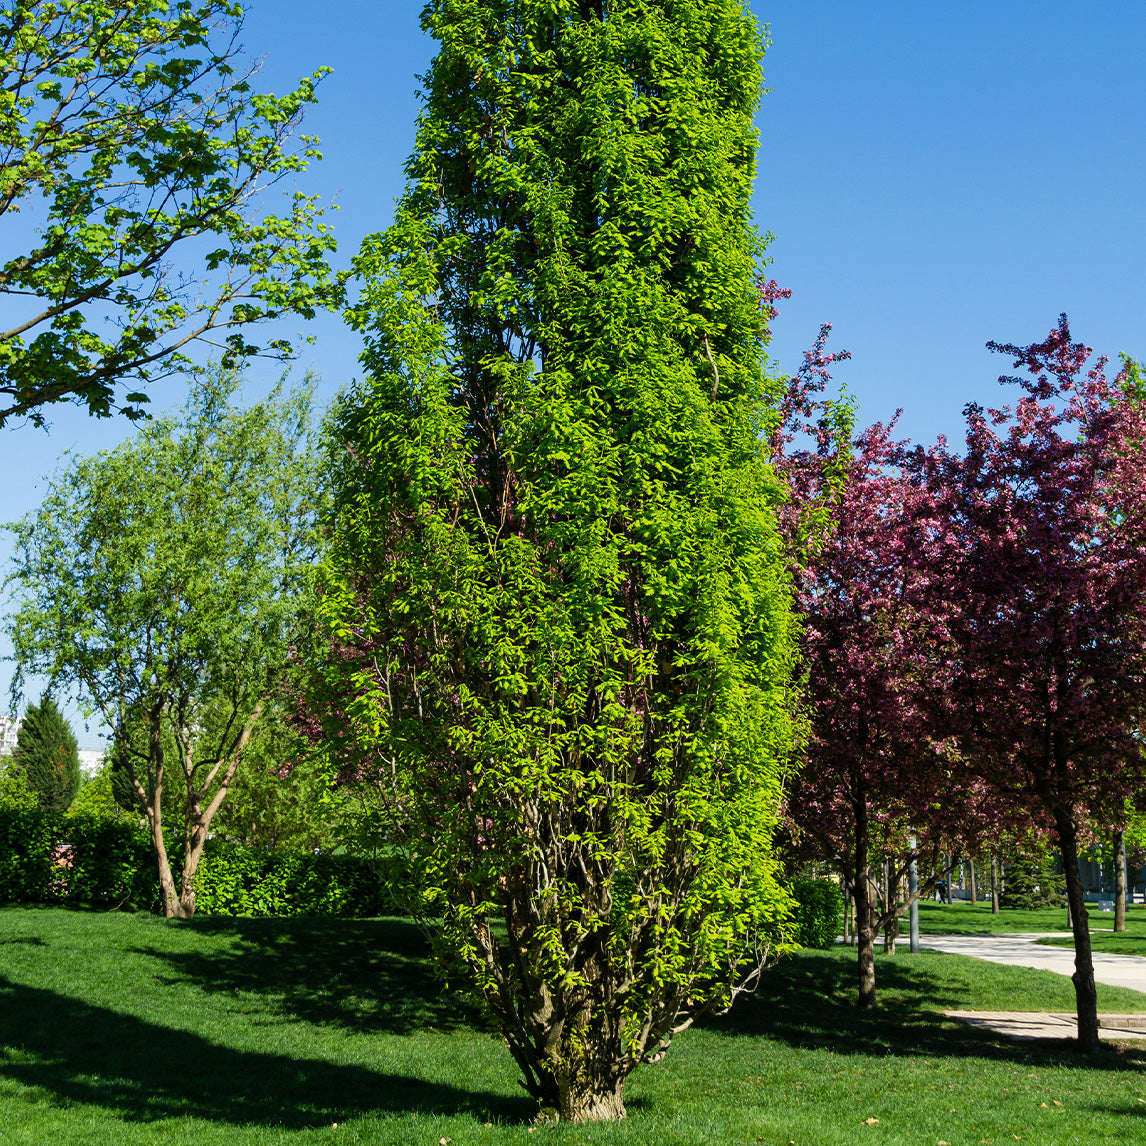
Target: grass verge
126, 1029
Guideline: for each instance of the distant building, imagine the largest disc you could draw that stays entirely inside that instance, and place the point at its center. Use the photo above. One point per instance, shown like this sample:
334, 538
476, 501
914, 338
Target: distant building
90, 760
9, 726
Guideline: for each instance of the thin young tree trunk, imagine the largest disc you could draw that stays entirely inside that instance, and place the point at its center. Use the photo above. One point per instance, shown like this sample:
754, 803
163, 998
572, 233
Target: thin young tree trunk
198, 816
974, 887
1085, 992
863, 890
172, 903
865, 893
1119, 881
995, 873
847, 908
890, 928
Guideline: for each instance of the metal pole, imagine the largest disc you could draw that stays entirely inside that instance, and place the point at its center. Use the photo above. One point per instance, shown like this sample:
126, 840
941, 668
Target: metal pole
912, 888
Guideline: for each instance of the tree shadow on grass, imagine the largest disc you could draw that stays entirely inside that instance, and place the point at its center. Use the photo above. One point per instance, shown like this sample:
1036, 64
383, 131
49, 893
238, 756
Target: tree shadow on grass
809, 1001
367, 975
80, 1053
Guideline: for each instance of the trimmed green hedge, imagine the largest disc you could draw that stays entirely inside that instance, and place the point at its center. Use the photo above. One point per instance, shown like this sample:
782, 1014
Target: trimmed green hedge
236, 880
98, 863
819, 908
84, 861
27, 839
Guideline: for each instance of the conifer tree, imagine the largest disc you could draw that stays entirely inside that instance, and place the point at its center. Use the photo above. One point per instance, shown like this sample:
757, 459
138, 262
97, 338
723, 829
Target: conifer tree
556, 594
48, 755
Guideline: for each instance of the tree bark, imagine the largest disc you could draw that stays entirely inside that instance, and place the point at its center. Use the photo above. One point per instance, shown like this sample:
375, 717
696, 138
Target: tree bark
994, 884
974, 887
847, 909
890, 895
1119, 881
1085, 992
864, 889
586, 1100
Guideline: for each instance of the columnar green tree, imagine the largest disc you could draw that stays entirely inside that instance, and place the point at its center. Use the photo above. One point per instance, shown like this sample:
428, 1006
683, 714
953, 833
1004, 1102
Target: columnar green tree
162, 581
48, 755
558, 605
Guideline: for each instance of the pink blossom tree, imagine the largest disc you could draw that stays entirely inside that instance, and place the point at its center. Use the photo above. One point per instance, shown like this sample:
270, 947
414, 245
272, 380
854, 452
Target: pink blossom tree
873, 654
1045, 600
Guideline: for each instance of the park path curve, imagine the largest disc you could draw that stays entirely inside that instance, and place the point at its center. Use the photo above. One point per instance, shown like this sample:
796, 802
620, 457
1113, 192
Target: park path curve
1021, 950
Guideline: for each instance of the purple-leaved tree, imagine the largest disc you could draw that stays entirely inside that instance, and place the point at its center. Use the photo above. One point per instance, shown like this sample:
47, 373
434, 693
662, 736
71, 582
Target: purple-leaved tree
1044, 596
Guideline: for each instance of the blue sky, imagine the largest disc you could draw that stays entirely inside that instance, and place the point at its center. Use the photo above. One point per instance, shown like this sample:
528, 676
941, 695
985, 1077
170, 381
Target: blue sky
934, 175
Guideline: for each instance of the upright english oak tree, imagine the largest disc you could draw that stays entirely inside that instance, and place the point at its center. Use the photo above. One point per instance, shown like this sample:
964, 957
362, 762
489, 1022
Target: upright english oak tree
556, 587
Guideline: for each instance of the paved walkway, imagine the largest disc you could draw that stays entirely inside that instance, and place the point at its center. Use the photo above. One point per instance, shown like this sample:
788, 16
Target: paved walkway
1022, 951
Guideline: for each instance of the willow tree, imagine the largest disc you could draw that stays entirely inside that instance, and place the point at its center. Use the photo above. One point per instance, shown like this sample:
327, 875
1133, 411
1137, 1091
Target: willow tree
559, 608
162, 583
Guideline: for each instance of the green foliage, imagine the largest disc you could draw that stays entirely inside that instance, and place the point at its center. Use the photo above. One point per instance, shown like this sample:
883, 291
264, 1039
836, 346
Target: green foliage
163, 581
285, 796
130, 134
1033, 880
109, 864
96, 798
555, 587
14, 789
27, 843
241, 881
819, 911
48, 755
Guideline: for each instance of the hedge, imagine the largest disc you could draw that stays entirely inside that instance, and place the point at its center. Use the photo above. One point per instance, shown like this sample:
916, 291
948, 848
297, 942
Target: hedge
236, 880
99, 863
819, 905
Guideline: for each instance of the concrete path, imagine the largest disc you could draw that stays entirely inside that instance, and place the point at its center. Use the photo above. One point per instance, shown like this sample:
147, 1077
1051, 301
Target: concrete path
1051, 1024
1022, 951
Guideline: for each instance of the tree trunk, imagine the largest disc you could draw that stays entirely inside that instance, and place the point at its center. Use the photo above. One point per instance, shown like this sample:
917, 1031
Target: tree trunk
1085, 993
1119, 881
888, 899
153, 807
974, 887
847, 909
994, 884
579, 1100
864, 893
864, 889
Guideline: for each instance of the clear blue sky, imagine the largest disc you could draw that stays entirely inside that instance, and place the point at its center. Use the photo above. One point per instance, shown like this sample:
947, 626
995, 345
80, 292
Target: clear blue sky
935, 175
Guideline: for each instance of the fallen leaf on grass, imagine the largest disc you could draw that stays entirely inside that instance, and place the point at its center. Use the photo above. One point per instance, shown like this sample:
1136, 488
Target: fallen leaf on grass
1056, 1102
871, 1121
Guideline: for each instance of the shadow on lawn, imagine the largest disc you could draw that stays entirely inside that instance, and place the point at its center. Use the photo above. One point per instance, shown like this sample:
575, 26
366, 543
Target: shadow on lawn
809, 1001
85, 1054
368, 975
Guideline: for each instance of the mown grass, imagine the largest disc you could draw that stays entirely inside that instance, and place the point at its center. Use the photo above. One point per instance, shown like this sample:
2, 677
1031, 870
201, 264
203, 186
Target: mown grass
121, 1028
1132, 941
967, 919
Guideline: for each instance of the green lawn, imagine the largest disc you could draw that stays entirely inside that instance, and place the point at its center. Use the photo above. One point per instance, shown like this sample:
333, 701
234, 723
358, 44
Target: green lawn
126, 1028
965, 919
